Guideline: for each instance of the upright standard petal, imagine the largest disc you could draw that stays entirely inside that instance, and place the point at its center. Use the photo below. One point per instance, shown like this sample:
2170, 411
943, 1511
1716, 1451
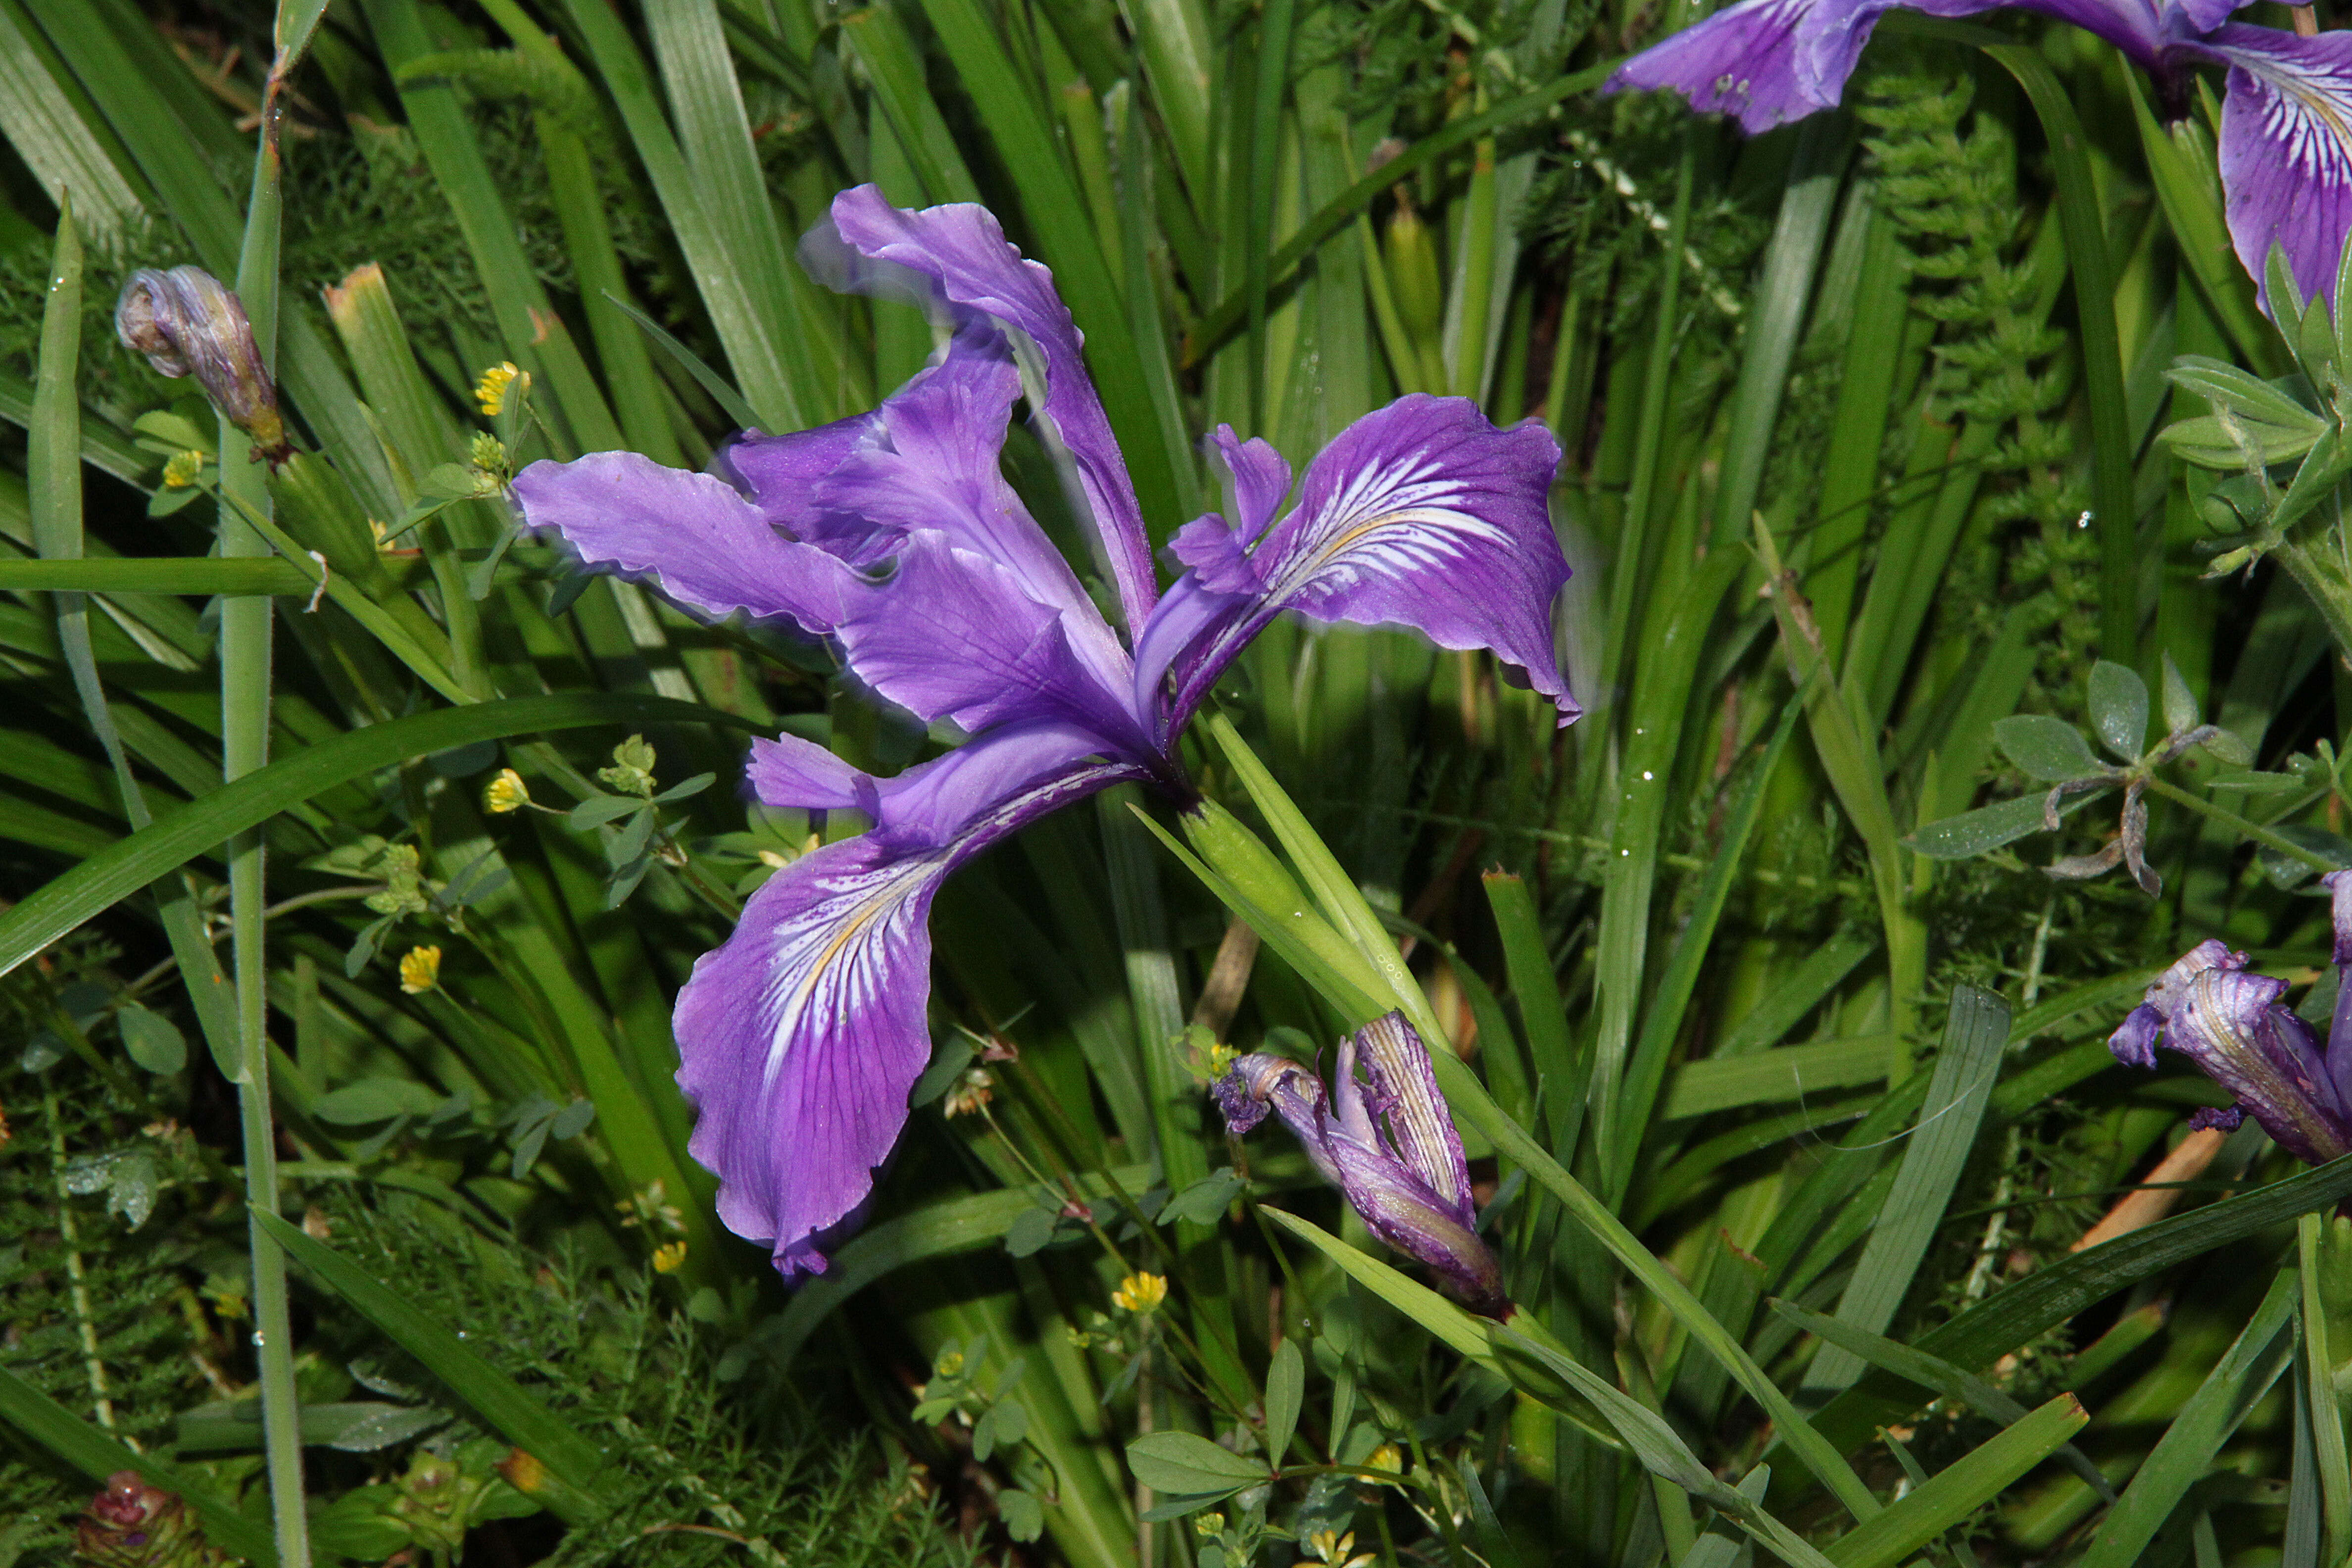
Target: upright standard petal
800, 1036
1420, 514
780, 474
930, 463
703, 544
963, 250
2286, 150
953, 635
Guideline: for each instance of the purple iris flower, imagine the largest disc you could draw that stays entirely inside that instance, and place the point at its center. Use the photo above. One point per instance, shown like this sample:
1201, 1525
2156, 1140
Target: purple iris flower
2286, 123
1386, 1142
2231, 1023
894, 536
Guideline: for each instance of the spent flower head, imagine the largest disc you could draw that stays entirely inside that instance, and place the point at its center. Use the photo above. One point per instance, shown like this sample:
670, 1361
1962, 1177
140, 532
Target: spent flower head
1387, 1143
187, 323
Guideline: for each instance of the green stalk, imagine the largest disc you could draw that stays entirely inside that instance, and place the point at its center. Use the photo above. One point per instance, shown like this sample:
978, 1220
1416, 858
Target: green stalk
2241, 825
1265, 144
246, 677
1474, 281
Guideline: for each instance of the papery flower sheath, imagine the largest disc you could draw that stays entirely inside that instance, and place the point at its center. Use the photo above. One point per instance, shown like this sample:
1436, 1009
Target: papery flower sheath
894, 536
2231, 1025
1385, 1140
2286, 120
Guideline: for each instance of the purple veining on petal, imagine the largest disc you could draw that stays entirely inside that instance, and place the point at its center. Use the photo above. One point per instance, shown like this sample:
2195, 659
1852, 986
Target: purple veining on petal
800, 1036
1387, 1143
1420, 514
2286, 150
963, 249
2266, 1057
701, 542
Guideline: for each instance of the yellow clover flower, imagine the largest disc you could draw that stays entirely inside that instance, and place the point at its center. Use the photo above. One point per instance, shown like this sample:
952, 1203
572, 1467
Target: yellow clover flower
420, 970
491, 391
505, 793
1139, 1293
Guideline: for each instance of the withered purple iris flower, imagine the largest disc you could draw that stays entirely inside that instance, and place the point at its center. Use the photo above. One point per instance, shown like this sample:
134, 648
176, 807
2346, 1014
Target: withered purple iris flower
2286, 150
894, 536
2231, 1025
1386, 1142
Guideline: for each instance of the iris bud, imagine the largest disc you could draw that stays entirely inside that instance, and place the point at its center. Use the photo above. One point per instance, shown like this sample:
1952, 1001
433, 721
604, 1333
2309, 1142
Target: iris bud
187, 323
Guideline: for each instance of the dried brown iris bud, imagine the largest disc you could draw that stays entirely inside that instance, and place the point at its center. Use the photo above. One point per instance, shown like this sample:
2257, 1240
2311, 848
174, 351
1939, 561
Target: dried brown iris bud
187, 323
131, 1525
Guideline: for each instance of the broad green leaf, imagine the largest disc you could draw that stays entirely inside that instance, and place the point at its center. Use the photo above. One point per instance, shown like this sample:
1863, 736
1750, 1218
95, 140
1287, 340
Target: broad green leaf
153, 1041
376, 1100
2226, 386
1975, 1031
1724, 1083
1285, 1391
1987, 829
2050, 750
2119, 709
2185, 1453
2181, 713
1188, 1464
1204, 1202
1959, 1489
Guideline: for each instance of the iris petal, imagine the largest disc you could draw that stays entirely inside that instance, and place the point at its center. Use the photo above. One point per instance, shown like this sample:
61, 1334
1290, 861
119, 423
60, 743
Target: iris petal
1422, 514
963, 249
800, 1036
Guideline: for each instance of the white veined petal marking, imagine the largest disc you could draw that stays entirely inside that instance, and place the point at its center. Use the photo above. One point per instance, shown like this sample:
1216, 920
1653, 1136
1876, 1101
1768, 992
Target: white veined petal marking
1410, 524
824, 940
2304, 117
823, 943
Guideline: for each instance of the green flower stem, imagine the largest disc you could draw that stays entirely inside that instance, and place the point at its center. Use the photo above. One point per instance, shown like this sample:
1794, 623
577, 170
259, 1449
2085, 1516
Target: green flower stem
2327, 583
2236, 824
252, 509
246, 628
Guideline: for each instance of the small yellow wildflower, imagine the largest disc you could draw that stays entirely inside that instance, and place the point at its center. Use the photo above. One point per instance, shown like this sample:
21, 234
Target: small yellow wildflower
950, 1362
669, 1257
505, 793
1139, 1293
1221, 1060
420, 970
1206, 1525
490, 392
971, 1092
181, 470
1338, 1550
1387, 1457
